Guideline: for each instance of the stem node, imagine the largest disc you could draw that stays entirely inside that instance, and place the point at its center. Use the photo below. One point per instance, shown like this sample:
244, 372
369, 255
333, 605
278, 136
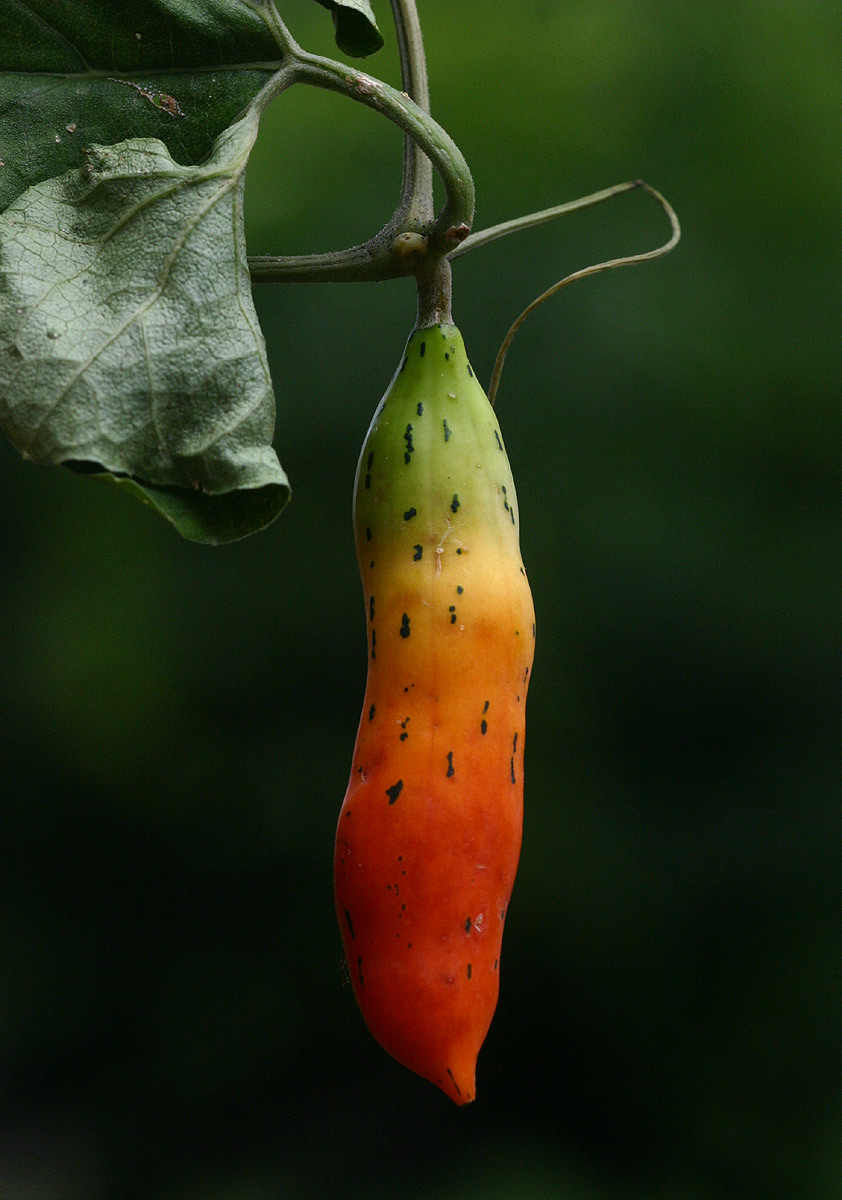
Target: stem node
456, 234
410, 245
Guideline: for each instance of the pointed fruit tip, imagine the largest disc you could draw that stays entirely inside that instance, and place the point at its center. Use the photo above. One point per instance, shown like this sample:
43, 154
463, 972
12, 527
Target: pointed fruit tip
459, 1081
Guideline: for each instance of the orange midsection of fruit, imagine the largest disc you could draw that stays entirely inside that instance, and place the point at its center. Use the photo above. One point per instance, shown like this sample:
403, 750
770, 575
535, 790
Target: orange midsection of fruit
429, 834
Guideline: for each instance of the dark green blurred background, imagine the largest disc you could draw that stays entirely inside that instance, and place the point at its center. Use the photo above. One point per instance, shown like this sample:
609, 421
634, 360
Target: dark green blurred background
178, 721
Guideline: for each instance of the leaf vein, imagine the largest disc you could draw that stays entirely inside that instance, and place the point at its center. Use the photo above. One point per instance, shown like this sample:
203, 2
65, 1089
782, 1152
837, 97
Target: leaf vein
152, 299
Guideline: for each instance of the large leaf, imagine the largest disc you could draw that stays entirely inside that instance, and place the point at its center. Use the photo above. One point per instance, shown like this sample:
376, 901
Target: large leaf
128, 338
356, 29
96, 71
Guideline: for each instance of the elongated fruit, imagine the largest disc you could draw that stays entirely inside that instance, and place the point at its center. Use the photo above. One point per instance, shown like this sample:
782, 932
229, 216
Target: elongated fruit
429, 834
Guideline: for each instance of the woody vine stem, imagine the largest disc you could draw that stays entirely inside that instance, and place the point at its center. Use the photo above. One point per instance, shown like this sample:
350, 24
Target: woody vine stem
414, 241
385, 256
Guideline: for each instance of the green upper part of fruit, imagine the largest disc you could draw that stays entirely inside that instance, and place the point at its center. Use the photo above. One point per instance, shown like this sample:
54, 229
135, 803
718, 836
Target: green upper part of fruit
433, 465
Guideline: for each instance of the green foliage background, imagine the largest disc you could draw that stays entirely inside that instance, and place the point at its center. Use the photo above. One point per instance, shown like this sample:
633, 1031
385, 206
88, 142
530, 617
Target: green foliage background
178, 721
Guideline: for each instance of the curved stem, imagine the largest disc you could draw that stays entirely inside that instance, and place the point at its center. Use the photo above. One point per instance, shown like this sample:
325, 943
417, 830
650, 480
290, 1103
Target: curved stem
277, 25
626, 261
374, 260
417, 185
483, 236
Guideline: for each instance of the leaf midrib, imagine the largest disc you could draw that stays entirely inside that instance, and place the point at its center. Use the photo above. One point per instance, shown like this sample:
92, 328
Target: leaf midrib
139, 312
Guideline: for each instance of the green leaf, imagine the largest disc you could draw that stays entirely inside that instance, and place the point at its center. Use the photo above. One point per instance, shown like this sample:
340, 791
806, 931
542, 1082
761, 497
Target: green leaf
357, 34
94, 71
129, 346
213, 520
129, 343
